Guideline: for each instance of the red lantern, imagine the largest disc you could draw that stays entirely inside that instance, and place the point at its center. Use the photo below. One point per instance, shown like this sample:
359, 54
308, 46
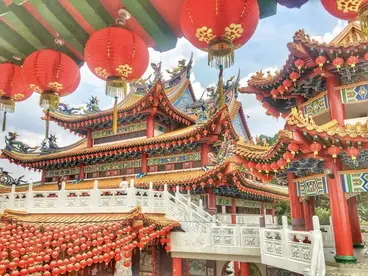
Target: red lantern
338, 62
266, 105
334, 151
352, 61
281, 89
219, 26
288, 156
293, 148
275, 167
299, 63
259, 167
294, 76
315, 148
259, 97
320, 61
346, 10
52, 74
286, 83
274, 93
353, 153
118, 56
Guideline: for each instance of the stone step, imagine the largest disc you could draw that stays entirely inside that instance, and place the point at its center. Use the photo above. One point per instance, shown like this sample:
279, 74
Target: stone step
347, 270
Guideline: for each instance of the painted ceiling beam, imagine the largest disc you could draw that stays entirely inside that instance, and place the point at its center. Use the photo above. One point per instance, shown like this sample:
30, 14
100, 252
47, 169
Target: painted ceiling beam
63, 23
94, 12
267, 8
152, 22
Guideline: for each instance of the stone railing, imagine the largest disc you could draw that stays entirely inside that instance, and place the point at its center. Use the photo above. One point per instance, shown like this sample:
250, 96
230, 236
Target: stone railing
247, 219
297, 251
328, 235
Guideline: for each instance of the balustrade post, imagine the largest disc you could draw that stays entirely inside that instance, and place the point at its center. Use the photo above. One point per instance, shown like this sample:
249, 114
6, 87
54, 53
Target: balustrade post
201, 203
285, 238
238, 235
150, 198
177, 192
166, 199
318, 257
11, 201
331, 230
62, 199
132, 195
29, 196
95, 195
276, 221
189, 199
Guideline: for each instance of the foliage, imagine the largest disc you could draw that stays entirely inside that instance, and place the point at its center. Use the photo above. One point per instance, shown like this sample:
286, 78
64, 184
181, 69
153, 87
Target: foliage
270, 140
282, 208
324, 215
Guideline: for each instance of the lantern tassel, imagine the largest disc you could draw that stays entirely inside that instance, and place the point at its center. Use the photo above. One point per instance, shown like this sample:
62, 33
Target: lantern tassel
220, 87
116, 87
4, 121
115, 116
47, 124
220, 52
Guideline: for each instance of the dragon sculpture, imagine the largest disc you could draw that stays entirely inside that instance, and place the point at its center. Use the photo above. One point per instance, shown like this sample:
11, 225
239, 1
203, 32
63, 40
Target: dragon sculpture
7, 180
49, 144
12, 143
178, 68
226, 149
90, 107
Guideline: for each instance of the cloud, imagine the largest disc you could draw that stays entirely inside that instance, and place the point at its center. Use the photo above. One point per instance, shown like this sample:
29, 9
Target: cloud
329, 36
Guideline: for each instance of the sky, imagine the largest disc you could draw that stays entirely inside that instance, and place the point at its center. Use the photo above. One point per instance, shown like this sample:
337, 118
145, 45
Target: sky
266, 51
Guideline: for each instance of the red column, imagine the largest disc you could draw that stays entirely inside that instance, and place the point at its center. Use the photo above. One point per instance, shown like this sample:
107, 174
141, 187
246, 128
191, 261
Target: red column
233, 211
43, 176
81, 171
299, 102
205, 149
354, 223
177, 267
150, 126
340, 215
144, 163
297, 220
337, 111
236, 269
89, 138
307, 216
244, 269
211, 201
311, 205
262, 209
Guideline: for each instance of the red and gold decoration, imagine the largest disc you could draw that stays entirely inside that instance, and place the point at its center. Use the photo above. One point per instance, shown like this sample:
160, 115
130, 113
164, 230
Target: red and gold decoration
294, 76
293, 148
299, 63
320, 61
118, 56
219, 27
13, 88
52, 74
334, 151
353, 153
338, 63
315, 147
288, 156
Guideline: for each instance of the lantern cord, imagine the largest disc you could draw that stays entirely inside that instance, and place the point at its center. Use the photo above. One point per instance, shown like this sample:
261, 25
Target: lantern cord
115, 116
4, 121
220, 87
47, 124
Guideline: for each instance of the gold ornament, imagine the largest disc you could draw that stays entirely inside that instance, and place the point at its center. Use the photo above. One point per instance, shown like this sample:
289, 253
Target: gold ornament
55, 86
233, 31
101, 72
204, 34
124, 70
348, 5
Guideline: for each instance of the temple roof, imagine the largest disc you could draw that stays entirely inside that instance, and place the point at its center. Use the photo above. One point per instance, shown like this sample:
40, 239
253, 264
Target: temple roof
350, 41
67, 219
219, 123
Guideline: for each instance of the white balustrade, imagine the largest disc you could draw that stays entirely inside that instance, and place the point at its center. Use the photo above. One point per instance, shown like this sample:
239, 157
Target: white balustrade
328, 235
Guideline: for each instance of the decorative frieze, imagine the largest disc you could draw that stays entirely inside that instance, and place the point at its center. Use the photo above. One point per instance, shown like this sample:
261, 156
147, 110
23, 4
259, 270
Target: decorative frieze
247, 203
223, 201
355, 181
354, 94
122, 129
268, 205
162, 160
316, 105
311, 186
69, 171
113, 166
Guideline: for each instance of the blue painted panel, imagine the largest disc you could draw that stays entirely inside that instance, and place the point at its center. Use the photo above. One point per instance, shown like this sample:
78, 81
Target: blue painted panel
239, 127
184, 100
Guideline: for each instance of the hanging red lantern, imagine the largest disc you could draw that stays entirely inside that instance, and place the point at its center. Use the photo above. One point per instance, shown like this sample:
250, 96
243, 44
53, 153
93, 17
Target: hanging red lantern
338, 62
118, 56
52, 74
275, 167
286, 83
252, 165
320, 61
219, 27
281, 89
259, 167
353, 153
13, 88
288, 156
334, 151
346, 10
315, 147
299, 63
259, 97
282, 163
266, 168
266, 105
274, 93
293, 148
352, 61
294, 76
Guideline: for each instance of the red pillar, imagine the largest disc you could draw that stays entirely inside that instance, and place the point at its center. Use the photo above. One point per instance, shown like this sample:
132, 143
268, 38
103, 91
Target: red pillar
150, 126
299, 102
177, 267
244, 269
89, 138
205, 149
233, 211
262, 209
43, 176
297, 220
337, 111
211, 201
311, 205
144, 163
307, 216
340, 215
354, 223
81, 171
236, 269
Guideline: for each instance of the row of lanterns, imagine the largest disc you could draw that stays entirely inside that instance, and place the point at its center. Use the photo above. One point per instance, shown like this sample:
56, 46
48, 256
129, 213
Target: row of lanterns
54, 250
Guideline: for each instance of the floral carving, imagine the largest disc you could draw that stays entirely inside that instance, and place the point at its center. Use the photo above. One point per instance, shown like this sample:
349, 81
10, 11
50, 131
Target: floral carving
101, 72
348, 5
124, 70
233, 31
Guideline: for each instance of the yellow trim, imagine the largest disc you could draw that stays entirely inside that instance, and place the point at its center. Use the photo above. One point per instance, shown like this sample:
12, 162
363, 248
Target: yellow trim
353, 171
308, 177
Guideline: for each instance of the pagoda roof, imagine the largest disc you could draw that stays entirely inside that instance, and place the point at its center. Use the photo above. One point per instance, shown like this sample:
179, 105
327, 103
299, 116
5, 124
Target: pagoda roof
312, 77
219, 123
133, 104
62, 219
